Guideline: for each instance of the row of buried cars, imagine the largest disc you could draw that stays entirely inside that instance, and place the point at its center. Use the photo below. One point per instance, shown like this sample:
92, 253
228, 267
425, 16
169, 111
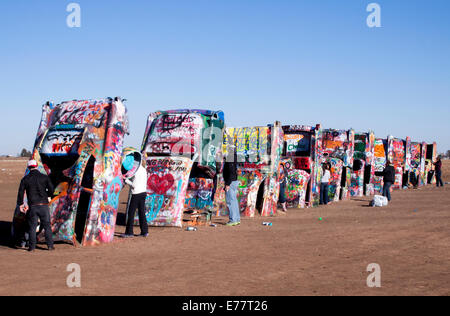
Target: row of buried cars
80, 145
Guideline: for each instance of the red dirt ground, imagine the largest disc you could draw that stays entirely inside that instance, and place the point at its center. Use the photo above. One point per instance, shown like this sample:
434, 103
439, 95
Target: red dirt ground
298, 255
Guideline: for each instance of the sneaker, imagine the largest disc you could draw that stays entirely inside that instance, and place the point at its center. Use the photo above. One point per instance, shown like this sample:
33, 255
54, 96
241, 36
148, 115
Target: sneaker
232, 223
30, 250
126, 236
51, 248
143, 235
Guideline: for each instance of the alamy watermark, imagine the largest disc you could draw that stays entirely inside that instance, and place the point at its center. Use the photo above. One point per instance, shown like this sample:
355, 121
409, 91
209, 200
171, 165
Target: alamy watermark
374, 278
74, 278
74, 17
374, 18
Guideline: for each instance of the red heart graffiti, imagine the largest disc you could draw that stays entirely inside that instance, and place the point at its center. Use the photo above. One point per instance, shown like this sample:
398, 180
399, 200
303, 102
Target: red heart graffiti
160, 185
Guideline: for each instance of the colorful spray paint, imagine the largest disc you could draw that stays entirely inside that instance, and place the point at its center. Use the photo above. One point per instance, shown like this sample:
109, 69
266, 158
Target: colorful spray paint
379, 164
414, 175
338, 148
258, 152
363, 165
79, 145
181, 148
303, 146
397, 157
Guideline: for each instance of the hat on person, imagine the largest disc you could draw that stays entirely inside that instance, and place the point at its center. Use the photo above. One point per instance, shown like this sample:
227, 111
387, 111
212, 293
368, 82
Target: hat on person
32, 164
128, 163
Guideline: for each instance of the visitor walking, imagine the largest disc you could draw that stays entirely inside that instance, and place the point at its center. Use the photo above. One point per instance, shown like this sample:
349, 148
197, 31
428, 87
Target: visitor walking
388, 175
324, 184
39, 190
138, 196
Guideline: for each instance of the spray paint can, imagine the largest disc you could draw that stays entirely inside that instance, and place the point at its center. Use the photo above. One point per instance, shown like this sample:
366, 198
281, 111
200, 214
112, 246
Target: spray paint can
191, 229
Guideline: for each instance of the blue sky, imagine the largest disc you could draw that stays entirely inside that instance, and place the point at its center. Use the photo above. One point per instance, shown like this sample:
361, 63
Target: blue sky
299, 62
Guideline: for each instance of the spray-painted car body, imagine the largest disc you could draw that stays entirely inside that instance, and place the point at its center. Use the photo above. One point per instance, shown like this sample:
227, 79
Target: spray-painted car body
79, 145
414, 170
396, 155
424, 169
408, 162
380, 153
258, 152
337, 149
181, 148
296, 184
430, 160
302, 151
363, 170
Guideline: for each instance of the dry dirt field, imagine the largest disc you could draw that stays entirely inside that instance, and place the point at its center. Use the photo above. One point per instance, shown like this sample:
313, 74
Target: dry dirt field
298, 255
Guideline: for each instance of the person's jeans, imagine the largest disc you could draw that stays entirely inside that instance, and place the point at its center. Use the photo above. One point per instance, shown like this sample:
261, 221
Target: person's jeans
232, 202
137, 202
43, 213
282, 195
324, 193
439, 179
387, 190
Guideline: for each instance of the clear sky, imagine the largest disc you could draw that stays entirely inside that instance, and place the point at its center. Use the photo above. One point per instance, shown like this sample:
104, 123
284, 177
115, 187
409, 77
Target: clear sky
299, 62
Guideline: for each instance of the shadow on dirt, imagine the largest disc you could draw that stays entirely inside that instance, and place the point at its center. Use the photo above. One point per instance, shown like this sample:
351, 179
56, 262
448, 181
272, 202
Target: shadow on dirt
121, 219
5, 234
360, 200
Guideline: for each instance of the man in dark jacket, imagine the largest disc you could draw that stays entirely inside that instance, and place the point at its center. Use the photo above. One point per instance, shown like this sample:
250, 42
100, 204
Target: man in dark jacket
39, 189
388, 175
438, 172
231, 187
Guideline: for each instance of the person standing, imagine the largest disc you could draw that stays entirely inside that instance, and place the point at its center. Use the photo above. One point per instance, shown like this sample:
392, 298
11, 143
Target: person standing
39, 189
138, 197
388, 175
231, 187
324, 183
438, 172
283, 180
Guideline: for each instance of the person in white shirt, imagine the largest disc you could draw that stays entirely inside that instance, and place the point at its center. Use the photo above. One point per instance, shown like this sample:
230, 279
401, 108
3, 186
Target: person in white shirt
324, 183
138, 185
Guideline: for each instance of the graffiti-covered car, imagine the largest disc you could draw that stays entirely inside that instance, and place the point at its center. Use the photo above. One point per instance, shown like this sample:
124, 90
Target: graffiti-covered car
379, 162
363, 165
302, 150
424, 169
417, 171
337, 149
79, 146
396, 155
181, 149
258, 151
430, 160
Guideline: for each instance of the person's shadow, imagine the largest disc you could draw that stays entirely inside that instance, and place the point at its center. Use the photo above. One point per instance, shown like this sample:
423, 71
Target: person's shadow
121, 219
5, 234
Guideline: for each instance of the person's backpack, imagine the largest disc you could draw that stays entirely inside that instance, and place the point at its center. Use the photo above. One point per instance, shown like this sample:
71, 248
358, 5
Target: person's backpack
379, 201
